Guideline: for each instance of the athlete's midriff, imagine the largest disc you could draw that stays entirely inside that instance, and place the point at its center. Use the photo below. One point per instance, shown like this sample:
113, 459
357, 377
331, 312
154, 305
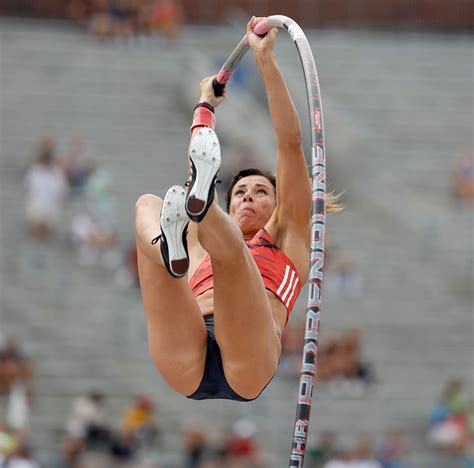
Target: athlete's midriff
278, 273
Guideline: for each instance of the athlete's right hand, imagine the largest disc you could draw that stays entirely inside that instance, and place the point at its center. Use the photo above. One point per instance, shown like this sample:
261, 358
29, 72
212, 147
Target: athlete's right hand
260, 45
207, 92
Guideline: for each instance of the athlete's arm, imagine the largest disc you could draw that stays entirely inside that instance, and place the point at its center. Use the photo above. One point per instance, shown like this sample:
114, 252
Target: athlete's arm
206, 95
293, 183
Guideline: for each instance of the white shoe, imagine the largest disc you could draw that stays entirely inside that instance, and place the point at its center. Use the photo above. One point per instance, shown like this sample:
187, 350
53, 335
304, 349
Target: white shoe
173, 239
205, 158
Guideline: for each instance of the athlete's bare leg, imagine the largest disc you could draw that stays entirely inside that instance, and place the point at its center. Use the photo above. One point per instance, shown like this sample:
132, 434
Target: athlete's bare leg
176, 332
244, 324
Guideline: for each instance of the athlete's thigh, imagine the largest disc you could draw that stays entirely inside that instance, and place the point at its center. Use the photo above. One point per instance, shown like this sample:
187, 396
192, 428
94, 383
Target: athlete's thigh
244, 323
239, 288
176, 332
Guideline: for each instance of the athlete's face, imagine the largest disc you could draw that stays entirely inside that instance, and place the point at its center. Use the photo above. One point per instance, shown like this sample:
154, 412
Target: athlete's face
252, 203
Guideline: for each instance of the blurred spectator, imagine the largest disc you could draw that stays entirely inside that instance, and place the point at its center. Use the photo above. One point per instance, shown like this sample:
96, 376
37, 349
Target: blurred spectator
9, 443
120, 18
18, 409
99, 195
342, 275
82, 10
75, 167
167, 18
88, 420
363, 455
138, 422
323, 451
449, 419
340, 364
392, 451
46, 187
292, 342
341, 459
196, 444
463, 177
87, 431
348, 363
93, 230
340, 367
127, 275
14, 368
241, 447
22, 458
115, 18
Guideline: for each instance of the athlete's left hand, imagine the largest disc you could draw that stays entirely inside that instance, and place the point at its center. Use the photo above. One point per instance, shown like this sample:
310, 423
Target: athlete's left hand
207, 92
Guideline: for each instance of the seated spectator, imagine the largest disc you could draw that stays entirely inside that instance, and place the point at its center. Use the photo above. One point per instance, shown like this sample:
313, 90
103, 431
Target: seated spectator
22, 458
118, 18
14, 367
167, 18
325, 370
18, 409
9, 443
323, 451
46, 187
75, 167
463, 177
196, 444
292, 342
88, 421
242, 445
82, 10
347, 362
340, 459
392, 451
448, 421
126, 275
341, 273
363, 454
93, 230
339, 362
90, 238
102, 204
340, 365
138, 422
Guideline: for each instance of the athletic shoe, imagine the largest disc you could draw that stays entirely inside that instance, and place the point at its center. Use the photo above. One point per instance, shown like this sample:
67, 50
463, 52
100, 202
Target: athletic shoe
174, 228
205, 159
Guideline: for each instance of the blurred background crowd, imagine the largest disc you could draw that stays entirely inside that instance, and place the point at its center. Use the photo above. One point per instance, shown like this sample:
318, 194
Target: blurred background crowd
96, 98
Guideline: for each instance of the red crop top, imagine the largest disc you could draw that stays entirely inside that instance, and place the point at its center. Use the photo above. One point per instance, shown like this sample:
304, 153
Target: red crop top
278, 272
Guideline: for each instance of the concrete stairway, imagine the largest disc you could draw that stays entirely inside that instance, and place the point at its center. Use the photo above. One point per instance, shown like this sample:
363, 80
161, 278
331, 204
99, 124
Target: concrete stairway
84, 332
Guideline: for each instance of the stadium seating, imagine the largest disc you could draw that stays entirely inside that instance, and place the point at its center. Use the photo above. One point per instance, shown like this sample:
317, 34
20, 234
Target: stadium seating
398, 107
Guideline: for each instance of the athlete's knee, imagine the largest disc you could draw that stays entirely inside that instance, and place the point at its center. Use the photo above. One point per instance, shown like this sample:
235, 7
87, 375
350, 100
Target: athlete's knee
231, 254
183, 375
147, 199
249, 381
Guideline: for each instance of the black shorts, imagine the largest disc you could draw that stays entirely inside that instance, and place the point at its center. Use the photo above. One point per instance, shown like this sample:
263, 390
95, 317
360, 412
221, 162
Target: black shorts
214, 385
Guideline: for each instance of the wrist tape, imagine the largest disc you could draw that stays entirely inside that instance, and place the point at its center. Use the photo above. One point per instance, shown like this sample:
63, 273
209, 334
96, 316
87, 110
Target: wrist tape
203, 117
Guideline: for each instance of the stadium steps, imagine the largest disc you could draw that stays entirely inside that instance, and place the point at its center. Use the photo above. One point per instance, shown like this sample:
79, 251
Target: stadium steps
78, 324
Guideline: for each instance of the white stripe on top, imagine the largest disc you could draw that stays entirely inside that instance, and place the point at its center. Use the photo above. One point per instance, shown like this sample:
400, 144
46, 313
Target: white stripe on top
292, 292
282, 285
289, 286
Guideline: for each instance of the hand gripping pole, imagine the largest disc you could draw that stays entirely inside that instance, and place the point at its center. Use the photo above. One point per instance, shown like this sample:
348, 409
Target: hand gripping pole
318, 175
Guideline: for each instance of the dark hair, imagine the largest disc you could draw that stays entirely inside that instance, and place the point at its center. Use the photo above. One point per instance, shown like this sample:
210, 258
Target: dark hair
245, 173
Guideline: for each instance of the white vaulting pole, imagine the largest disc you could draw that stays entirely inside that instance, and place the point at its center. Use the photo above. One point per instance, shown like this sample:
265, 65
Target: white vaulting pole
318, 175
